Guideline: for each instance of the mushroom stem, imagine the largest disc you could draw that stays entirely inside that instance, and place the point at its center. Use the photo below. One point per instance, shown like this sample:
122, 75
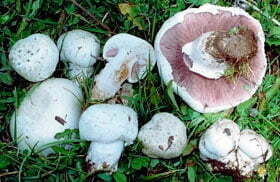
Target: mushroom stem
78, 71
105, 156
110, 79
205, 65
215, 52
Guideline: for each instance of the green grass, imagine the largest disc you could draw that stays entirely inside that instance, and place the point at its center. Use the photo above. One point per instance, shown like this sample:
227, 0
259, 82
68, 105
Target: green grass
142, 18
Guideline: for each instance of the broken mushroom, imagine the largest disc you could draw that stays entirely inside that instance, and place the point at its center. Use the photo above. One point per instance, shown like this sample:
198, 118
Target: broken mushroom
163, 137
109, 127
129, 58
49, 108
80, 49
215, 64
230, 151
34, 57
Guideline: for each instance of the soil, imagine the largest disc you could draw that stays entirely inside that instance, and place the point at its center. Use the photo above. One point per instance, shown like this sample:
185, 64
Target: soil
233, 47
220, 167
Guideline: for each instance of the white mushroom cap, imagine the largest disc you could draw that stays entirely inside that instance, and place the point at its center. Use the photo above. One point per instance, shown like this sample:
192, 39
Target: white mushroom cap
129, 58
205, 64
219, 140
49, 108
163, 137
80, 49
255, 146
107, 124
239, 152
35, 57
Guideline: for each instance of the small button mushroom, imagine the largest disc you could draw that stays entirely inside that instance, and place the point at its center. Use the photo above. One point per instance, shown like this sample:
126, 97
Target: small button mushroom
48, 108
129, 58
34, 58
109, 127
163, 137
219, 140
80, 49
255, 146
227, 149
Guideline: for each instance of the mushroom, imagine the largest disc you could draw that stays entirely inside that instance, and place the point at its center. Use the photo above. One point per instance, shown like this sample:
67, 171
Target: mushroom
129, 58
228, 150
34, 57
163, 137
49, 108
255, 146
80, 49
219, 140
215, 64
109, 127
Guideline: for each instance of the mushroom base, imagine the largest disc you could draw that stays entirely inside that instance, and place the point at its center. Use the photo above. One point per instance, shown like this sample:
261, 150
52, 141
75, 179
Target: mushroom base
104, 156
78, 72
219, 167
236, 46
221, 53
199, 61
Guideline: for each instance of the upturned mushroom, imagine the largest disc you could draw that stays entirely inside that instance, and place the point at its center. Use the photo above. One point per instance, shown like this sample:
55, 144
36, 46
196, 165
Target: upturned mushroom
109, 127
230, 151
163, 137
34, 57
215, 64
80, 50
129, 58
49, 108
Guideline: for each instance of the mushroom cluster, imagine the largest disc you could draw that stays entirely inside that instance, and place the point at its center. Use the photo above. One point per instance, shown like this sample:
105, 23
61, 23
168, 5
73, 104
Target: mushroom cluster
36, 56
229, 150
215, 64
55, 104
199, 58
